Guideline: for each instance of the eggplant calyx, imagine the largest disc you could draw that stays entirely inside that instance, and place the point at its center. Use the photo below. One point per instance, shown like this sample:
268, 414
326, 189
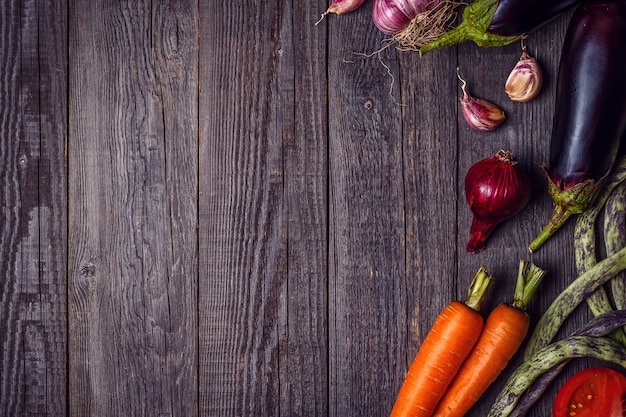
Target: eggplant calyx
572, 200
477, 17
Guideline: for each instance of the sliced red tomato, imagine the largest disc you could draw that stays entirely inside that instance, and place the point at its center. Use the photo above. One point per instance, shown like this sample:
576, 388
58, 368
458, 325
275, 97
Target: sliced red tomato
593, 392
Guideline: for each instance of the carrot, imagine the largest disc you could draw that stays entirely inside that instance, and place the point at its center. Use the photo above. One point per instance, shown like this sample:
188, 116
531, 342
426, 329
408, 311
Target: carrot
448, 342
503, 333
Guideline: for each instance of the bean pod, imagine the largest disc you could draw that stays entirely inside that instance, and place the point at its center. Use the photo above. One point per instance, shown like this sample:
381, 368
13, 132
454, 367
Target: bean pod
596, 327
550, 356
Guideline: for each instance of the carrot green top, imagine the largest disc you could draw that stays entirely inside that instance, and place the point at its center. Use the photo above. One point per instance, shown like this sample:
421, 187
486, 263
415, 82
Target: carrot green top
478, 288
529, 277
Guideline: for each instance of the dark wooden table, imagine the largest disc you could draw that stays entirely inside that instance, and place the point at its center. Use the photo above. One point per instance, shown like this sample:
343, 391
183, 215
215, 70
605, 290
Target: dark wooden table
221, 209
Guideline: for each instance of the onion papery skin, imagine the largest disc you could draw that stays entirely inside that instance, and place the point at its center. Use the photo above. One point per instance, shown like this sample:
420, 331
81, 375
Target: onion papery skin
496, 189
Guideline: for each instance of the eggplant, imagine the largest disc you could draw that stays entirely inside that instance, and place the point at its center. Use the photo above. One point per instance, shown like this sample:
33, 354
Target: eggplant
520, 17
590, 110
490, 23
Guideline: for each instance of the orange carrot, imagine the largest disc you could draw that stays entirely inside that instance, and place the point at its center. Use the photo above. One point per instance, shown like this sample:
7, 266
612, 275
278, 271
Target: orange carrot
448, 342
502, 335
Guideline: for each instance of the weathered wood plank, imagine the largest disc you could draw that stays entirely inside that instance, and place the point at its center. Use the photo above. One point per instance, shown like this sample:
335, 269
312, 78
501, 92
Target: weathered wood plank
304, 344
244, 116
33, 89
133, 208
367, 257
432, 202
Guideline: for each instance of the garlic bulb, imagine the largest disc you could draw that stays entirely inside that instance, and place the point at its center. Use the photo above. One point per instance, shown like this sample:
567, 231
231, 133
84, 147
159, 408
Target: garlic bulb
390, 16
413, 23
525, 80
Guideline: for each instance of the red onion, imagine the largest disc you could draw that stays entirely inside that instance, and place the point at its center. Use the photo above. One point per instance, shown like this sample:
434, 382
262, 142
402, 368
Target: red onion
496, 189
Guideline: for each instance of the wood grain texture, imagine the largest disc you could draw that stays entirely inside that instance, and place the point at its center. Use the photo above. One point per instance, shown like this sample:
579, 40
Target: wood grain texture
243, 220
366, 222
431, 154
133, 208
33, 222
303, 359
225, 209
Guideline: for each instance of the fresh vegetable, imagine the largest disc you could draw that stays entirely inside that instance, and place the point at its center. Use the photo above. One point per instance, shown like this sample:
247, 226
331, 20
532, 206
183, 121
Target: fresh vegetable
585, 244
479, 113
592, 392
590, 110
503, 333
615, 238
597, 326
449, 341
496, 189
341, 7
608, 322
500, 22
552, 319
550, 356
413, 23
585, 254
525, 79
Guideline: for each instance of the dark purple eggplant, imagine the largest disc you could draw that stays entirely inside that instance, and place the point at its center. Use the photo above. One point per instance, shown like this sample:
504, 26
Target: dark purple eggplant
519, 17
491, 23
590, 110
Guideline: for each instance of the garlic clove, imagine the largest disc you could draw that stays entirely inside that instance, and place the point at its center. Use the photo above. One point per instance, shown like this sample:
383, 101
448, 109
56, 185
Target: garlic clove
525, 80
341, 7
480, 114
344, 6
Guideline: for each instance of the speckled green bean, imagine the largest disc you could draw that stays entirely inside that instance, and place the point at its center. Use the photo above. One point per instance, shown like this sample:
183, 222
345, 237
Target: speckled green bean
552, 355
597, 327
562, 306
615, 239
585, 242
585, 256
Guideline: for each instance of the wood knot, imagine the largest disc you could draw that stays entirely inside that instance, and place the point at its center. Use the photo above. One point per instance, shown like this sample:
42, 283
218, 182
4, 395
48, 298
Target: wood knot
88, 270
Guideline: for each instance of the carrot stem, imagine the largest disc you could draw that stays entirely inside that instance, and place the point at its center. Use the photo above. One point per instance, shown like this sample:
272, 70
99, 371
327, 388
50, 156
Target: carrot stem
529, 277
478, 288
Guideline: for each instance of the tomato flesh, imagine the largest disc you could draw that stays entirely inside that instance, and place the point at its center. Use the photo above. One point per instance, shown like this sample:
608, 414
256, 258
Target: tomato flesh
593, 392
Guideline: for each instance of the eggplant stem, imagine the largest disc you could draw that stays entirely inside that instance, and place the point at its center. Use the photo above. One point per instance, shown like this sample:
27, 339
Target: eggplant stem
476, 19
574, 199
557, 219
